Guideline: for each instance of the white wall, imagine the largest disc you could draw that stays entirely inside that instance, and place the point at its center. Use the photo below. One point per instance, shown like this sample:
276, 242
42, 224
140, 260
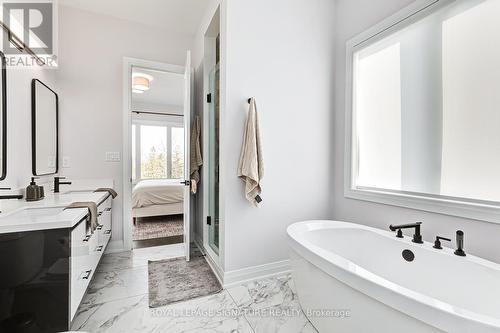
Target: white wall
481, 238
91, 49
281, 53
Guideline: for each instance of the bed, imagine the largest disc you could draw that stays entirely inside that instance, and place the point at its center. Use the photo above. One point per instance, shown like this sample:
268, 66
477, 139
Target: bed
157, 197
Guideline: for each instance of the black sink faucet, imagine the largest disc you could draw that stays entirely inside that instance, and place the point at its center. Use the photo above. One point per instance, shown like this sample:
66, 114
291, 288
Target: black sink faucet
417, 237
9, 196
58, 182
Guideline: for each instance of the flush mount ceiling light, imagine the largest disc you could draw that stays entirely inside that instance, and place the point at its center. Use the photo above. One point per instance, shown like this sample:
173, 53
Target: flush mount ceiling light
141, 82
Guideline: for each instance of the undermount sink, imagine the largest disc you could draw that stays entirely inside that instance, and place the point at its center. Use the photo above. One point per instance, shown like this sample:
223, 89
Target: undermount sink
77, 192
34, 212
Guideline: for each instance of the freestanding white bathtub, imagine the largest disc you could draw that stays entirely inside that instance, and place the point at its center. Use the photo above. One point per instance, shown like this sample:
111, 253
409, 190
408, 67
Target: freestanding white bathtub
353, 278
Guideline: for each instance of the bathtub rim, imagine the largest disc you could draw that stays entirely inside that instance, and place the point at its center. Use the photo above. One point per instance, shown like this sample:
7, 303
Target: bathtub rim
439, 314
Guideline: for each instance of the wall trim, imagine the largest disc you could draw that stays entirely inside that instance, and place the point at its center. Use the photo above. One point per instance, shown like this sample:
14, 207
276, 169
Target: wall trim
240, 276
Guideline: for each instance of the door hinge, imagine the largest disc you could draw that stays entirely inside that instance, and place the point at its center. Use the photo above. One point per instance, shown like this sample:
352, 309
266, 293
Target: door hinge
209, 98
209, 220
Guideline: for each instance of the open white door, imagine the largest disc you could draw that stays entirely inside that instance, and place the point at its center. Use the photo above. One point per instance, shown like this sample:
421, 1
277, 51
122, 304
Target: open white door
187, 155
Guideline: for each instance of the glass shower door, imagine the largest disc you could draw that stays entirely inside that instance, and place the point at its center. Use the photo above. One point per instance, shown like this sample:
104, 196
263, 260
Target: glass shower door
213, 161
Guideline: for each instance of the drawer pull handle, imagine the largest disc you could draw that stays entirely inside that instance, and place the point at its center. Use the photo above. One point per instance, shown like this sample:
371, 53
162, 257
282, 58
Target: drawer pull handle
108, 209
87, 238
107, 232
99, 248
99, 227
100, 213
87, 274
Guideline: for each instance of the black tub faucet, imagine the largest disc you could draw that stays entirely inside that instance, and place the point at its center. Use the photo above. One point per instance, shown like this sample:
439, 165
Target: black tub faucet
58, 182
460, 244
417, 237
437, 243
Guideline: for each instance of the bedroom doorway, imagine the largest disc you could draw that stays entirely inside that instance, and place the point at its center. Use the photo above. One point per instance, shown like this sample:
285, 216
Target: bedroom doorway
158, 131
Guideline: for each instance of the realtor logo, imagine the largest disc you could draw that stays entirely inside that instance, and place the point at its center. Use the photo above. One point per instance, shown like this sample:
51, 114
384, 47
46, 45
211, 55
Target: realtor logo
32, 26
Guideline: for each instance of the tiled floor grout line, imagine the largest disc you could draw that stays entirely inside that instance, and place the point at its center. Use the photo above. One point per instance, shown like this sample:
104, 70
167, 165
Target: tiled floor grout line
119, 269
114, 300
240, 308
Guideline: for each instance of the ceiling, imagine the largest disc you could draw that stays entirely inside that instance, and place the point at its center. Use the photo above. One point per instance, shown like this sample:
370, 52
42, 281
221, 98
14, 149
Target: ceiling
176, 16
166, 92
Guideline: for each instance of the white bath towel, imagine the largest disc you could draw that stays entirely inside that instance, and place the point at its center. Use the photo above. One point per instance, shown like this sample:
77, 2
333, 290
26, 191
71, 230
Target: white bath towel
196, 158
251, 166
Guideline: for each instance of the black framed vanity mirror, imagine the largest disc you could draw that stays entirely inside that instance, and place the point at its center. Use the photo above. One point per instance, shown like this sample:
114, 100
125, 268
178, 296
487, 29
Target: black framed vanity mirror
44, 129
3, 117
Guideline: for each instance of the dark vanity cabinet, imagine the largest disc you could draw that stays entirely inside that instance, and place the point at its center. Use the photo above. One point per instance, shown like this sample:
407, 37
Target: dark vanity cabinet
35, 281
44, 274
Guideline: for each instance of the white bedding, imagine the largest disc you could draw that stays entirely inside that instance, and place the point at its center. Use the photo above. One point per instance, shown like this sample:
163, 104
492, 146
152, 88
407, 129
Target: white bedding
157, 192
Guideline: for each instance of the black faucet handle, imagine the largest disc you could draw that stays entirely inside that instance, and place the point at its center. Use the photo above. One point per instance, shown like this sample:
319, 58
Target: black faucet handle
437, 243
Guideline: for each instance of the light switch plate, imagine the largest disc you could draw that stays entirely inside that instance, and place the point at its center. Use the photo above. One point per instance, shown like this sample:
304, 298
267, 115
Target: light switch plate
113, 156
65, 162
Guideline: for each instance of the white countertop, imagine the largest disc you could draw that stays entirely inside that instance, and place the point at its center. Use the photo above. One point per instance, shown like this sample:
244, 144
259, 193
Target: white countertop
21, 216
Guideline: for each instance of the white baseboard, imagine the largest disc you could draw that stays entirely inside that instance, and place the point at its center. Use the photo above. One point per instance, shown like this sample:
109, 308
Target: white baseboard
240, 276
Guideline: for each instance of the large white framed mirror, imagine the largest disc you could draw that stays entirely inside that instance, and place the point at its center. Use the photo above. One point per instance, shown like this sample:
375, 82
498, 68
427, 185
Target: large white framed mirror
423, 110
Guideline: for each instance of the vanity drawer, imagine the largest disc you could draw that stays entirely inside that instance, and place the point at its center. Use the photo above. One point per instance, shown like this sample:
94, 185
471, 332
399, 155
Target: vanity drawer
104, 218
104, 229
105, 205
81, 274
81, 240
83, 262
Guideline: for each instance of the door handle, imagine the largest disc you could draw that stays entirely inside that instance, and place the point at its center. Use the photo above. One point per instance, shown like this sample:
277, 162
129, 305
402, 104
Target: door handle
209, 220
186, 182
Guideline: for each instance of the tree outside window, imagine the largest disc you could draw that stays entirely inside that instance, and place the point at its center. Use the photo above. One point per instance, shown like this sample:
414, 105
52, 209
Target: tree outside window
160, 149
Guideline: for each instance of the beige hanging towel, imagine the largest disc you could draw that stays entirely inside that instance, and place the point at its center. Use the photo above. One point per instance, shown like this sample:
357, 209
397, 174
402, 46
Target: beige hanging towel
196, 158
91, 217
251, 166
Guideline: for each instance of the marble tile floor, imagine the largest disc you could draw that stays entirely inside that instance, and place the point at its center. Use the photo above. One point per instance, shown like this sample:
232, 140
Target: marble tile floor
117, 302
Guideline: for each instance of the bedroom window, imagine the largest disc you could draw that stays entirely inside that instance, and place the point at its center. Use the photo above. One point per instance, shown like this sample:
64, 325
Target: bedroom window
177, 152
153, 152
157, 151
